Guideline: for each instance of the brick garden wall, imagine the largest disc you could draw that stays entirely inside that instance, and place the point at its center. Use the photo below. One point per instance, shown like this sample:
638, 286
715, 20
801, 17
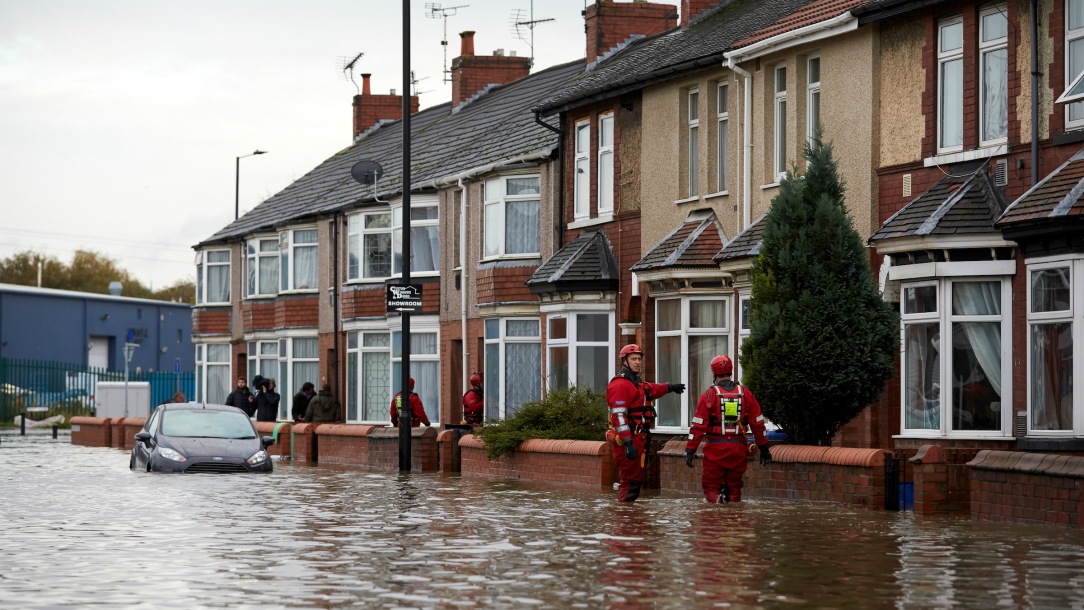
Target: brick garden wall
91, 431
574, 463
384, 449
1030, 488
344, 444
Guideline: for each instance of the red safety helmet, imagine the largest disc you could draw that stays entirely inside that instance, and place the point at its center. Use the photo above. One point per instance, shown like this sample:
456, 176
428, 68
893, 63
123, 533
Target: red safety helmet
476, 379
411, 383
721, 365
632, 348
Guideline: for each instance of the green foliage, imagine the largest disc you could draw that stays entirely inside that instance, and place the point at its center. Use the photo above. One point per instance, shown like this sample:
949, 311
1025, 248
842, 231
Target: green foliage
88, 271
570, 414
823, 341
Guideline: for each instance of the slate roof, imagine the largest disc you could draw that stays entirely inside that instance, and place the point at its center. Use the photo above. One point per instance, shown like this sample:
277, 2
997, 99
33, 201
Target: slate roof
966, 200
1056, 196
812, 13
495, 127
692, 244
883, 9
671, 54
585, 263
746, 244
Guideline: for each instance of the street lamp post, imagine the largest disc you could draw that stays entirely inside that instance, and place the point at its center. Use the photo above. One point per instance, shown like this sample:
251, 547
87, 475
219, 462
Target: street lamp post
404, 381
237, 183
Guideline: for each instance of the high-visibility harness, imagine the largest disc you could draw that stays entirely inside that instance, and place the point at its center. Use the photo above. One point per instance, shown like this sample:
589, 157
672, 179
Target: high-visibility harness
636, 420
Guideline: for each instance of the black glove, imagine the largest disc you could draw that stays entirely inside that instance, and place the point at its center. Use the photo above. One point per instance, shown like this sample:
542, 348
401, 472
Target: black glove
765, 455
630, 451
676, 388
689, 453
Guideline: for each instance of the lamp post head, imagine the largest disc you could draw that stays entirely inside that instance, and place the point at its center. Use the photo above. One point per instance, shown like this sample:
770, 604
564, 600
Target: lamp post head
259, 152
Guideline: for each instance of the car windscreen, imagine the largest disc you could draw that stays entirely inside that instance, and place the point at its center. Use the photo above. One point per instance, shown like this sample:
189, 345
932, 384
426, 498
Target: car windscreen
207, 424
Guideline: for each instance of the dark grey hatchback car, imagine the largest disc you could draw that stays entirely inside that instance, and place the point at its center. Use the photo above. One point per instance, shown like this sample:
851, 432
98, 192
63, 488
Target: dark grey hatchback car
195, 438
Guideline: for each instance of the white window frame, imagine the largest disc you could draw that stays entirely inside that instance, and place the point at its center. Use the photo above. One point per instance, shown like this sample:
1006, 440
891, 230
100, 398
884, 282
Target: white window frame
605, 159
202, 366
288, 247
360, 349
203, 272
779, 136
254, 350
693, 134
722, 135
945, 320
502, 340
944, 57
985, 48
495, 204
355, 244
743, 331
571, 341
417, 327
581, 164
253, 254
1075, 315
397, 208
687, 400
813, 90
1070, 36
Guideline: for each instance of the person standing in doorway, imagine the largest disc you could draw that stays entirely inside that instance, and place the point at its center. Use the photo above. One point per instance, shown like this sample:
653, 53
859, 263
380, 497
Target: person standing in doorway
723, 414
301, 401
474, 402
632, 414
323, 408
417, 411
267, 402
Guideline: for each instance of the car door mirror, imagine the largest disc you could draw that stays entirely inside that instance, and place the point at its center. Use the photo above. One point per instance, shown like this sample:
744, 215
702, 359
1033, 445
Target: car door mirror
143, 437
268, 441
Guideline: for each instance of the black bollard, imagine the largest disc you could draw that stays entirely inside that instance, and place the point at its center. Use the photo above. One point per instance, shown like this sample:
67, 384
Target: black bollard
22, 424
55, 428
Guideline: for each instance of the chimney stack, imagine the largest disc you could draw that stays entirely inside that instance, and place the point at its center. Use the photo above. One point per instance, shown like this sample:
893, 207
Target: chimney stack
692, 8
370, 109
472, 73
609, 23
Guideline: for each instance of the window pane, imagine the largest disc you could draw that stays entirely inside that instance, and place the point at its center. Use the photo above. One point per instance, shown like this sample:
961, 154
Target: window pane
269, 348
920, 299
493, 190
558, 367
1052, 376
304, 372
521, 227
376, 340
994, 26
199, 385
781, 136
701, 350
607, 135
694, 105
378, 255
1076, 14
269, 245
922, 366
558, 328
378, 221
353, 258
583, 138
397, 250
694, 160
269, 368
521, 328
218, 383
305, 268
251, 276
668, 359
353, 223
493, 378
724, 127
1050, 290
426, 386
199, 353
1076, 65
306, 348
220, 256
285, 272
593, 367
523, 374
813, 74
722, 101
352, 386
251, 247
780, 80
493, 229
199, 283
583, 187
425, 242
606, 181
218, 353
397, 217
307, 236
493, 328
976, 376
522, 186
995, 94
707, 314
952, 37
952, 103
269, 274
352, 340
746, 313
814, 111
669, 314
592, 327
976, 298
375, 385
428, 212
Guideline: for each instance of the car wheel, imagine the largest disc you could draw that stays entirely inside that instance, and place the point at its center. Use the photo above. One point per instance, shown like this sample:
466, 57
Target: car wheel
131, 463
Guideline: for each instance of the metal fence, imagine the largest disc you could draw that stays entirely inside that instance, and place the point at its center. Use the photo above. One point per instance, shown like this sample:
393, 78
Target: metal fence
899, 485
44, 388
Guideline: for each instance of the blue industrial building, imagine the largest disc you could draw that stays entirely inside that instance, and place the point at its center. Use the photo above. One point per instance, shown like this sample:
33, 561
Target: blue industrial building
89, 329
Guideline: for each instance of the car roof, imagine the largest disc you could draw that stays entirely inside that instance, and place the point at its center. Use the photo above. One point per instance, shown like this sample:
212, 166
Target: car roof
197, 406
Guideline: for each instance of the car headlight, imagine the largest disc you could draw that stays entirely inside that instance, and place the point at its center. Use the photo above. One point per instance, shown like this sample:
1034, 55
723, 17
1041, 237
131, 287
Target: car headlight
170, 454
258, 457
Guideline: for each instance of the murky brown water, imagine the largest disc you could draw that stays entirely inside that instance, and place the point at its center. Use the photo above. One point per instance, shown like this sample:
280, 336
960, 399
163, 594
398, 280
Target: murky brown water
80, 530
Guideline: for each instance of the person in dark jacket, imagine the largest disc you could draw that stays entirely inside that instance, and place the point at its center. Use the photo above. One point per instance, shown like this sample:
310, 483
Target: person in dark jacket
267, 402
301, 401
241, 397
323, 407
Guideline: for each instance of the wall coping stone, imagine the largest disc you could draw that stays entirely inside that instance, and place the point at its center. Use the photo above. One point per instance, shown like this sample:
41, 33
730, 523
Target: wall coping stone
134, 421
344, 429
545, 445
90, 421
389, 432
1029, 463
803, 454
304, 428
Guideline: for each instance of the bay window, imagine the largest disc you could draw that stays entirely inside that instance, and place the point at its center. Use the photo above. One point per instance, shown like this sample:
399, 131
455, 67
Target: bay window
368, 245
368, 372
813, 98
1074, 57
689, 332
955, 378
581, 350
513, 364
950, 70
263, 359
212, 372
424, 239
779, 158
213, 277
606, 163
1053, 325
263, 266
511, 216
300, 246
424, 368
694, 141
582, 181
722, 114
994, 74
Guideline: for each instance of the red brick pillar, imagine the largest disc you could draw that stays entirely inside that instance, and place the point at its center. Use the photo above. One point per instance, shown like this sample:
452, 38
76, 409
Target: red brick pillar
448, 444
303, 437
931, 481
423, 449
116, 439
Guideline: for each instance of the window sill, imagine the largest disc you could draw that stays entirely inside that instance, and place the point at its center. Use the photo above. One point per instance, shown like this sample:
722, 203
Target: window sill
765, 187
292, 292
222, 304
261, 297
509, 257
966, 155
367, 280
687, 200
590, 222
719, 194
955, 437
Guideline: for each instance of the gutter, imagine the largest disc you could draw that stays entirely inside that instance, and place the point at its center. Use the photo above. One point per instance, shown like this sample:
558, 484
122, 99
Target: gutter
824, 29
561, 176
437, 183
747, 130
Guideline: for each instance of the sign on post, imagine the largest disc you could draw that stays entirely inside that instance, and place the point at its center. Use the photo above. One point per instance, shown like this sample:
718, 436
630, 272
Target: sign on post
404, 299
177, 365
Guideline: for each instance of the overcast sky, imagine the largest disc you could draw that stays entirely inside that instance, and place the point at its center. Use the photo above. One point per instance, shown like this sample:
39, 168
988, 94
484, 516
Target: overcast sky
120, 120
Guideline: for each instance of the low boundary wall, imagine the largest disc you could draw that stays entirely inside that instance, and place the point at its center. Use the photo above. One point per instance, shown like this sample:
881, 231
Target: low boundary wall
1032, 488
281, 448
303, 444
578, 463
91, 431
344, 444
384, 449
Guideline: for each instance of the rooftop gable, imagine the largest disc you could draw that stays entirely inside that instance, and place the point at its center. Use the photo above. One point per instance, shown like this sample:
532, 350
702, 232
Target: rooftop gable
692, 244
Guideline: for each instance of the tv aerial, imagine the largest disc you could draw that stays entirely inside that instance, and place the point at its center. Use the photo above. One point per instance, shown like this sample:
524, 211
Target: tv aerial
414, 84
517, 24
433, 10
346, 66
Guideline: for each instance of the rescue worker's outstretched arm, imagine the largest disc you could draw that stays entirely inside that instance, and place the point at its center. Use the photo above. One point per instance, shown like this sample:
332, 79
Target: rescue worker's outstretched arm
699, 427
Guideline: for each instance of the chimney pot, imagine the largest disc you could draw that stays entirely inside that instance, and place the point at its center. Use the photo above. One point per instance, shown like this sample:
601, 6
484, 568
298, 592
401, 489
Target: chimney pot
498, 53
466, 43
393, 92
365, 84
511, 52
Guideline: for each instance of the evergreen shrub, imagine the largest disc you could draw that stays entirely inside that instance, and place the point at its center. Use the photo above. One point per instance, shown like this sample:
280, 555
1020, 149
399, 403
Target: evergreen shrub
574, 413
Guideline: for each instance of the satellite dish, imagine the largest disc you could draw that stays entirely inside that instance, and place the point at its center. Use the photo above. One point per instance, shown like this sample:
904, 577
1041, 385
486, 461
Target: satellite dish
367, 172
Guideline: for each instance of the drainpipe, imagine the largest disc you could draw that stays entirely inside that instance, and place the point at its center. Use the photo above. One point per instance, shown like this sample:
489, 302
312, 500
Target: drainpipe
560, 175
747, 128
1034, 92
463, 275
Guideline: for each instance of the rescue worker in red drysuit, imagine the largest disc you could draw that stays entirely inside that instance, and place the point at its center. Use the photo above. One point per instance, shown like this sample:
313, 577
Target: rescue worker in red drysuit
725, 411
416, 408
473, 402
632, 413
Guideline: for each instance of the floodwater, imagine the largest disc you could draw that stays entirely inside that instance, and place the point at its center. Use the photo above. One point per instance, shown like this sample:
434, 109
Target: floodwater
80, 530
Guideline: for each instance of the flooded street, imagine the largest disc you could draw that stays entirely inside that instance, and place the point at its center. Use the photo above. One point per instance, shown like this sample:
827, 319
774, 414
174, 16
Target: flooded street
80, 530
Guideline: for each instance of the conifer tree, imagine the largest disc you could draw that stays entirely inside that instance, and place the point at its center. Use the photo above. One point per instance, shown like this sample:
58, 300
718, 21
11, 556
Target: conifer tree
822, 340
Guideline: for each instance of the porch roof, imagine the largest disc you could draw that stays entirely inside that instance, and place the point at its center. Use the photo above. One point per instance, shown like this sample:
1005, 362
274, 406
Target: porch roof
746, 244
1057, 196
810, 14
585, 263
692, 244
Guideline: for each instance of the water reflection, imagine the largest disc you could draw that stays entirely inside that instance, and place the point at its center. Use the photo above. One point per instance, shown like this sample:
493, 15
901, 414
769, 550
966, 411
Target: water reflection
80, 530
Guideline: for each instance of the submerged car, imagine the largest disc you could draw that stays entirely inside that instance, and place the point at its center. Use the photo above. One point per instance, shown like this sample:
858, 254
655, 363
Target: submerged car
195, 438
